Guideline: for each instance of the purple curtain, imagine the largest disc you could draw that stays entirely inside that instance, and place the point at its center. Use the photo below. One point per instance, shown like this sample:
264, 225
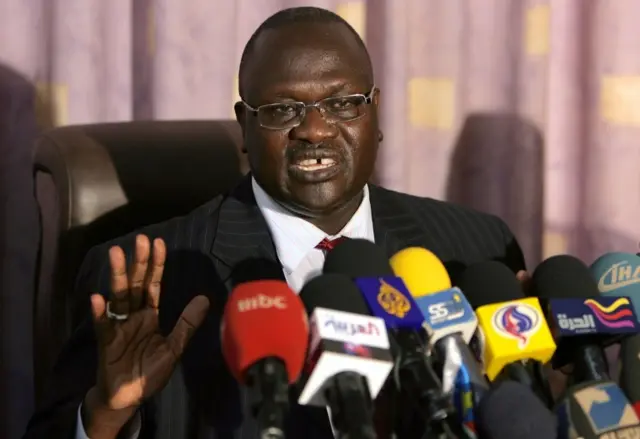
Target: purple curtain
529, 109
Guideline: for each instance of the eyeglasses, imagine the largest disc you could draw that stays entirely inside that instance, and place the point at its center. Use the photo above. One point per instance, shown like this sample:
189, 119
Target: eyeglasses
285, 115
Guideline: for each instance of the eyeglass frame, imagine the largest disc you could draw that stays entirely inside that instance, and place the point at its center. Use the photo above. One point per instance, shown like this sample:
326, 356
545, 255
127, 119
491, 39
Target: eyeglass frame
368, 99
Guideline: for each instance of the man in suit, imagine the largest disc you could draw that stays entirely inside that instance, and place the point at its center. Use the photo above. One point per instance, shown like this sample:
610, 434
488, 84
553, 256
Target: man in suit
146, 362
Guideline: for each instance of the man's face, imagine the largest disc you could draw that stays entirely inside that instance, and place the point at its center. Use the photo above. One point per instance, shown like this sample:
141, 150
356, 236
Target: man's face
323, 163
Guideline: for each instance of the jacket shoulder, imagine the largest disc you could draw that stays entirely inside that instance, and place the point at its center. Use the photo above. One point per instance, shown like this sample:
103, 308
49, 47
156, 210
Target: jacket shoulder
193, 231
426, 206
458, 233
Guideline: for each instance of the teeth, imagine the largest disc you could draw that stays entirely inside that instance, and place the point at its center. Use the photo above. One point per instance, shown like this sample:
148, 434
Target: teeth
315, 164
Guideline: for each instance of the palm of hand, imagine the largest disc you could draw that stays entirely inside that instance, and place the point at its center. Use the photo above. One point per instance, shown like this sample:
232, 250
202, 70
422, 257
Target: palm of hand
135, 359
138, 361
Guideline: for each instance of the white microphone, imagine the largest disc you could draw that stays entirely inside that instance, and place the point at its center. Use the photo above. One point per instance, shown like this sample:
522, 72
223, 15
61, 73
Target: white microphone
349, 356
344, 342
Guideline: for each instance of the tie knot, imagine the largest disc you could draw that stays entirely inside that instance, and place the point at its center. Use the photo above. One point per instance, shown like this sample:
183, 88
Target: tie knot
327, 245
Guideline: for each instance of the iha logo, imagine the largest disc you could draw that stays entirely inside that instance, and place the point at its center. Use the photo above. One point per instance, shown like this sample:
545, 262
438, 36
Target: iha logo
616, 315
619, 275
519, 321
262, 301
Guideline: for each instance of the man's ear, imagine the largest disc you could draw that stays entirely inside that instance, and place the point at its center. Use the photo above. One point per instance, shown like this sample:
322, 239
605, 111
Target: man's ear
241, 117
376, 97
241, 113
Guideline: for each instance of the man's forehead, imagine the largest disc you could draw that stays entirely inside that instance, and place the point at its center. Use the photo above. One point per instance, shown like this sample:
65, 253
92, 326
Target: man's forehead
294, 54
291, 39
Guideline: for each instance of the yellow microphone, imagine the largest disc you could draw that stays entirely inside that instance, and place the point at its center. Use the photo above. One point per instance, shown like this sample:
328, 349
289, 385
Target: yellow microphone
421, 271
445, 309
451, 325
514, 327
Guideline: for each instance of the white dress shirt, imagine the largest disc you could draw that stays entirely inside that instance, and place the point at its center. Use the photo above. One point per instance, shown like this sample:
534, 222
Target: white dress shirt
295, 240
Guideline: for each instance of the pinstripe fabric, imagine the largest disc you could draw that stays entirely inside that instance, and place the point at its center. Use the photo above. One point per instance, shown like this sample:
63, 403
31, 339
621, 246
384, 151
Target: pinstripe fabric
204, 250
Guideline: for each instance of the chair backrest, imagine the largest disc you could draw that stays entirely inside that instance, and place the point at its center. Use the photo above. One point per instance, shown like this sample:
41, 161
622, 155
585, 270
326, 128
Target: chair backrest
97, 182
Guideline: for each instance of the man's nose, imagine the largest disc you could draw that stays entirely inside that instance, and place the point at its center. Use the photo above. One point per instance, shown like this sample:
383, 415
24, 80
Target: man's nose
314, 128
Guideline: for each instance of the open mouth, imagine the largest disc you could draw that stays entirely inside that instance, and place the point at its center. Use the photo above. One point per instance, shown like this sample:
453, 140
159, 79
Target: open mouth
315, 166
310, 165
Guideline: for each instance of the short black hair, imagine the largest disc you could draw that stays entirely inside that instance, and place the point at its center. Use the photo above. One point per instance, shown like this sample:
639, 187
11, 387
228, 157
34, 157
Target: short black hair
289, 16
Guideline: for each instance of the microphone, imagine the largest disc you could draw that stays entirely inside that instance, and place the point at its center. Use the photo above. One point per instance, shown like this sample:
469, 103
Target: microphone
585, 322
618, 275
451, 324
411, 261
510, 411
596, 411
514, 327
264, 334
349, 355
387, 297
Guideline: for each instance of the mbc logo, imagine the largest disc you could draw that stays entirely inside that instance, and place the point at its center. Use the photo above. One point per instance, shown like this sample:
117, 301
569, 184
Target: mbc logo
262, 301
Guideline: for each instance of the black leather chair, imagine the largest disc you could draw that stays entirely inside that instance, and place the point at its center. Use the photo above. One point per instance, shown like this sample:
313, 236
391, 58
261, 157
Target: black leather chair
97, 182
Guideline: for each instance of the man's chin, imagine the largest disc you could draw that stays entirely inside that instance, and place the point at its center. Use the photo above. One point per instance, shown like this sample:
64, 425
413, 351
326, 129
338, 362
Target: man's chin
318, 200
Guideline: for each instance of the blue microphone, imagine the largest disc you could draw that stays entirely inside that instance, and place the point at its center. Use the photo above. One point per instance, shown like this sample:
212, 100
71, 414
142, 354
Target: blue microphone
451, 324
618, 276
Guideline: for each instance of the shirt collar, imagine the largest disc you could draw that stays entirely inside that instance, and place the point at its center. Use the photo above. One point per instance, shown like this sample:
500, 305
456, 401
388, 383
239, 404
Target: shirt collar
295, 237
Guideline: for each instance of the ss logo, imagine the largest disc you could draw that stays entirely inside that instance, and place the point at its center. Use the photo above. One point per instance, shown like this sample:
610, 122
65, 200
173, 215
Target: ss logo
438, 311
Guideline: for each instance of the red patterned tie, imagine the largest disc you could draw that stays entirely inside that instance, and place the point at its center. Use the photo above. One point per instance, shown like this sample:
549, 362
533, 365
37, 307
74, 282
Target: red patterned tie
326, 245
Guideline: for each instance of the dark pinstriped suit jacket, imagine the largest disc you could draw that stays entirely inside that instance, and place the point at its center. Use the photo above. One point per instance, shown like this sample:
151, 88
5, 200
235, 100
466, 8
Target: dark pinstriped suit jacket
202, 400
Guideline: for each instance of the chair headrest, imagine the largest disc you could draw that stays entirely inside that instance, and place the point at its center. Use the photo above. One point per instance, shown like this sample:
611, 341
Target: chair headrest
151, 169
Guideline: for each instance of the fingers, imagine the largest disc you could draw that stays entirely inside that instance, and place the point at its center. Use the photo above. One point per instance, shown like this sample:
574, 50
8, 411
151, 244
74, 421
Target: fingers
525, 280
190, 320
154, 273
98, 308
119, 281
138, 272
100, 319
128, 290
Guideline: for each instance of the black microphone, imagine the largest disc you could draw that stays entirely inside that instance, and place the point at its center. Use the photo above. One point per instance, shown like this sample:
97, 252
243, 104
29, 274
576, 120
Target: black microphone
571, 295
630, 372
389, 299
511, 411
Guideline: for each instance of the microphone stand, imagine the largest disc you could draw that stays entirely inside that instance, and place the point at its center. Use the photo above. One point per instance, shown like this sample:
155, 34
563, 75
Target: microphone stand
419, 381
591, 365
349, 400
269, 382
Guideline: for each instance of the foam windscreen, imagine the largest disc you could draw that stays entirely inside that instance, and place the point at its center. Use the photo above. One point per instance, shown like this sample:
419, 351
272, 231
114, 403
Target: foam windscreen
333, 291
422, 272
489, 282
563, 276
264, 319
358, 258
512, 411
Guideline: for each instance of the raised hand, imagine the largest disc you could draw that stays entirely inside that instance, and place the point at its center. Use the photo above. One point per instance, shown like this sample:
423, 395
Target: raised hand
134, 359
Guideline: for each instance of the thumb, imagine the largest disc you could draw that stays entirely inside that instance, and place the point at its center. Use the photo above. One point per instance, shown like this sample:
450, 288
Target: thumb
98, 308
525, 280
190, 320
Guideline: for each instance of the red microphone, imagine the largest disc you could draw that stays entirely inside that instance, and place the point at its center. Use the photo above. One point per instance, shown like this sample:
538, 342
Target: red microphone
265, 333
636, 408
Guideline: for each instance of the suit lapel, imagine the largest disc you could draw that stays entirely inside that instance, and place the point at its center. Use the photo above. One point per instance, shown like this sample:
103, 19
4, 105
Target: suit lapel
395, 226
242, 232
